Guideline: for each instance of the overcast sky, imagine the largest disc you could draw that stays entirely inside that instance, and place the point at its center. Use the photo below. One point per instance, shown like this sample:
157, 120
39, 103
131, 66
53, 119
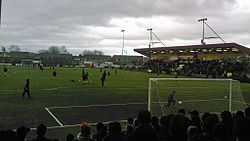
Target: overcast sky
97, 24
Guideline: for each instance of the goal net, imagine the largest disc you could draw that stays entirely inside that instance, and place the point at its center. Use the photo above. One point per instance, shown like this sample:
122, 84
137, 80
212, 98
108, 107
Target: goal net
167, 95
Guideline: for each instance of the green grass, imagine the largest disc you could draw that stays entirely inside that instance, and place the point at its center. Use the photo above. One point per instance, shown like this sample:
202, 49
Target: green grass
202, 95
48, 91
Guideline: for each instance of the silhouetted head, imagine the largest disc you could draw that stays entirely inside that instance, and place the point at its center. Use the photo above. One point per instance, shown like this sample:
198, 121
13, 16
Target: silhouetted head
164, 121
144, 117
136, 123
209, 122
99, 126
115, 128
155, 120
205, 115
130, 121
22, 132
41, 130
247, 112
182, 111
194, 113
239, 114
226, 116
87, 131
70, 137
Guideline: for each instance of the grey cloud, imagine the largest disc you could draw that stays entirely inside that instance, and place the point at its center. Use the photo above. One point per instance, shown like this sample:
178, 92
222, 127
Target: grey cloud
39, 23
96, 12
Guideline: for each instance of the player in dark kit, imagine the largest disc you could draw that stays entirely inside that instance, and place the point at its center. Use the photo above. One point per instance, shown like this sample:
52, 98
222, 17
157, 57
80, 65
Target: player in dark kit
103, 78
54, 73
83, 74
115, 71
171, 99
5, 70
26, 90
41, 67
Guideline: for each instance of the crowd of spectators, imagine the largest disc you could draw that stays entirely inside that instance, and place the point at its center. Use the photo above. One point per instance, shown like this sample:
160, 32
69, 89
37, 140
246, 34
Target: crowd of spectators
238, 70
182, 126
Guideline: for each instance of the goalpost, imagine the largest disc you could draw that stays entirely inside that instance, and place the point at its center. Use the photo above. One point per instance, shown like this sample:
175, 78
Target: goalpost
205, 95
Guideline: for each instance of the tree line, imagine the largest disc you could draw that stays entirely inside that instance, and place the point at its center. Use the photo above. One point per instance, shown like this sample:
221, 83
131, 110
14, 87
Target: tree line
51, 50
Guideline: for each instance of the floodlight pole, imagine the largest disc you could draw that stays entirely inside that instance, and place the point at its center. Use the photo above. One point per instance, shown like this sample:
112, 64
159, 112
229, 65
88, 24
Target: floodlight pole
150, 43
122, 44
0, 12
122, 40
203, 29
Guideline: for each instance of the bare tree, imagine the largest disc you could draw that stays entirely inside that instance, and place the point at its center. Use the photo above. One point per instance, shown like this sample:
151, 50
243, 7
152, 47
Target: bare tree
14, 48
42, 51
55, 50
63, 50
3, 49
90, 52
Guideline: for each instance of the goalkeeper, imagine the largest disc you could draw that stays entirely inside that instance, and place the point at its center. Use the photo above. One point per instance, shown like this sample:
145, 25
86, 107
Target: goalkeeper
172, 99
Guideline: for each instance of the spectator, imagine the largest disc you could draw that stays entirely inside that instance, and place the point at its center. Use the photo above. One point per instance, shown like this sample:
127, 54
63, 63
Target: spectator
193, 133
182, 112
179, 127
171, 128
22, 132
70, 137
195, 119
115, 133
41, 131
130, 127
144, 131
8, 135
241, 127
155, 123
226, 125
164, 133
209, 122
85, 133
220, 134
136, 123
101, 132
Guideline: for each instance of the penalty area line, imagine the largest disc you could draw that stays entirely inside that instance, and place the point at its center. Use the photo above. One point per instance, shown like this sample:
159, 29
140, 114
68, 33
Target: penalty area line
54, 117
96, 105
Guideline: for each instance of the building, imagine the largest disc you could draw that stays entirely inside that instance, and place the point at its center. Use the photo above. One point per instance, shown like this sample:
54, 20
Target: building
96, 59
30, 62
127, 60
49, 59
15, 57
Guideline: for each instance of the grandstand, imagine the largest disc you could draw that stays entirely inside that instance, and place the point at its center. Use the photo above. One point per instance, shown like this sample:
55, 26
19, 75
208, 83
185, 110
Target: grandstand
205, 52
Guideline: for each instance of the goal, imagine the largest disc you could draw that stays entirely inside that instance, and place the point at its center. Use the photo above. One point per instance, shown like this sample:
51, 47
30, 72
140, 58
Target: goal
204, 95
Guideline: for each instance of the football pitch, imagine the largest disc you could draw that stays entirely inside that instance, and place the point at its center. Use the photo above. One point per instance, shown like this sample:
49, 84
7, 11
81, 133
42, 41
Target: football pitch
65, 100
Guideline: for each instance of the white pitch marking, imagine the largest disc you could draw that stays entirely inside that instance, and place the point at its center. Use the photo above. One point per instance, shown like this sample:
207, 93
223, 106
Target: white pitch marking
53, 116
